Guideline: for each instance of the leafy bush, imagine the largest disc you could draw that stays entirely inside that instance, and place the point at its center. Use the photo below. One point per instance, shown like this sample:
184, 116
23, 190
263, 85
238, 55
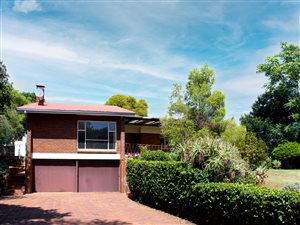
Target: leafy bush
151, 155
288, 153
220, 159
292, 186
176, 188
220, 203
276, 164
260, 174
253, 149
162, 184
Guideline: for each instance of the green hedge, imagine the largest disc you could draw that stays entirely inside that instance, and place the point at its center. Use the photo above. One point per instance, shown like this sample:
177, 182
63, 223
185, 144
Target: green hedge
176, 188
157, 155
289, 154
221, 203
162, 184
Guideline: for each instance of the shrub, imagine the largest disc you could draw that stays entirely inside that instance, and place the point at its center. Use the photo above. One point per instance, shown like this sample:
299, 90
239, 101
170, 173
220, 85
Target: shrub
220, 159
260, 174
220, 203
162, 184
151, 155
253, 150
175, 188
288, 153
276, 164
292, 186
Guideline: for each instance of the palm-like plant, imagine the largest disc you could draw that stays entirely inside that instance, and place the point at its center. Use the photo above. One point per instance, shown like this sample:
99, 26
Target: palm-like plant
222, 160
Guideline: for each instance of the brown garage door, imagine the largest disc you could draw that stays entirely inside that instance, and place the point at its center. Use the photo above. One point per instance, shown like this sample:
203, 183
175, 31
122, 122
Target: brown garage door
98, 176
62, 176
54, 175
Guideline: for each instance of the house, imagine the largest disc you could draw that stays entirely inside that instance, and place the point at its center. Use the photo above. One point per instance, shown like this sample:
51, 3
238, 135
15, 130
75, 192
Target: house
81, 148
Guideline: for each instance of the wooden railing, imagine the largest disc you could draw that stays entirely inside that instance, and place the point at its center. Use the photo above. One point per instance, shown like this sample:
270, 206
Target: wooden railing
133, 149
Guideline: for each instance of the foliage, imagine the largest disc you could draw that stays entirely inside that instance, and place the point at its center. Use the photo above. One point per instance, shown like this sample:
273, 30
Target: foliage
288, 153
177, 130
253, 149
3, 168
129, 102
233, 132
275, 116
151, 155
220, 159
292, 186
162, 184
217, 204
11, 123
260, 174
276, 164
206, 108
196, 111
5, 88
174, 188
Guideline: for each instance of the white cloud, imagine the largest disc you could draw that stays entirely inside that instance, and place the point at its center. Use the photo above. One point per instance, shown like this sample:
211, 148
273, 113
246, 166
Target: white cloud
286, 25
39, 49
26, 6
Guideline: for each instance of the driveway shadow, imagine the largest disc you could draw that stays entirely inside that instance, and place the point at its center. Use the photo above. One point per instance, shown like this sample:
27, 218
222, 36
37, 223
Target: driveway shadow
21, 215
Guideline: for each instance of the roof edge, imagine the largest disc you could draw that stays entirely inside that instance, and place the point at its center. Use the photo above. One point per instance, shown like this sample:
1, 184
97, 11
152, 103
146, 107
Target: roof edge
74, 112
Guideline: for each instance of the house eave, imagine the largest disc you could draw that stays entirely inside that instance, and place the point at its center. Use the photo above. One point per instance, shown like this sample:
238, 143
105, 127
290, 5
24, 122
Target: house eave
73, 112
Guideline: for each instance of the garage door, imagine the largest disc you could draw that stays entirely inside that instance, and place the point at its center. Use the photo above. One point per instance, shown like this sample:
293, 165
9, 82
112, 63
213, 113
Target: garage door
65, 176
54, 175
98, 176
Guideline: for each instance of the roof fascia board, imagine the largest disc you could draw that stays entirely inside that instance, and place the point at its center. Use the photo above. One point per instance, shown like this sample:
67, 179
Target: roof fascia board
76, 112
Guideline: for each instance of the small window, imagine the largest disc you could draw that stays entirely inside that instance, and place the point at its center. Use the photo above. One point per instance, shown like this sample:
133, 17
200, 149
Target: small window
96, 135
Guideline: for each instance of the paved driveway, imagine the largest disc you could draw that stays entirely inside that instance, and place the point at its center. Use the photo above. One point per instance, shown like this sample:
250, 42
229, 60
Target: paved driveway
80, 208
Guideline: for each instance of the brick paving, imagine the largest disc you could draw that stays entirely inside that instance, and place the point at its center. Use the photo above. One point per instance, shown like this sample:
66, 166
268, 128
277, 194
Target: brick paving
80, 208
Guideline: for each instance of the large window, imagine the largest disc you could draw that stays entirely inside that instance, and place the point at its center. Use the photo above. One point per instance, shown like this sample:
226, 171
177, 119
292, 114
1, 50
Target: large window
96, 135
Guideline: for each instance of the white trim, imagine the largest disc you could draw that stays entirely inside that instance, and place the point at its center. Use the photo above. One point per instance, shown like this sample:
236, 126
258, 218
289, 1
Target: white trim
75, 156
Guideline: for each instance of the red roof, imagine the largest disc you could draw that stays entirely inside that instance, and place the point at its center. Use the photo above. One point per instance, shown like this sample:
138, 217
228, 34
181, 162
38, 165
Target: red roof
75, 109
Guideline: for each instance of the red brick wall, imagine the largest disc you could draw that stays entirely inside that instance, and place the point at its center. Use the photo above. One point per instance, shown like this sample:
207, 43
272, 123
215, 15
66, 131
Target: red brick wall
58, 133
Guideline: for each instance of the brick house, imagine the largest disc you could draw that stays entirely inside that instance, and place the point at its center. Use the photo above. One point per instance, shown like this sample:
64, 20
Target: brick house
81, 148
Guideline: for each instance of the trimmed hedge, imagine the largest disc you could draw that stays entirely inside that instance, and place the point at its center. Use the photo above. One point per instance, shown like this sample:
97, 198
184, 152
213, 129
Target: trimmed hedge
289, 154
154, 155
162, 184
176, 188
221, 203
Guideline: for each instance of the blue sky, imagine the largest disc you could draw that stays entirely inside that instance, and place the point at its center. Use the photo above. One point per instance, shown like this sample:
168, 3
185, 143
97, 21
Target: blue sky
86, 51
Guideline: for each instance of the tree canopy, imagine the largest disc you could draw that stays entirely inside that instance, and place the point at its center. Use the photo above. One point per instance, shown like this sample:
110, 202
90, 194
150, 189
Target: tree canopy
140, 107
11, 123
5, 88
196, 109
275, 115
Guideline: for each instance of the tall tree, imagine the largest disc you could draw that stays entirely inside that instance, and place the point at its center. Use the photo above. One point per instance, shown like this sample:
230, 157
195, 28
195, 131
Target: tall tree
5, 88
129, 102
275, 115
196, 109
206, 107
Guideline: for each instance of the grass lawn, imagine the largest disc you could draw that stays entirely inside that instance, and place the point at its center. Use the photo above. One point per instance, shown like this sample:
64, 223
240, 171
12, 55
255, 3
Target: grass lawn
277, 178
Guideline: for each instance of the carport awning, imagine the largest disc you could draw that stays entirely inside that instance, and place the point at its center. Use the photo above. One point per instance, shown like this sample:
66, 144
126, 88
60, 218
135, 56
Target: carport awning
143, 121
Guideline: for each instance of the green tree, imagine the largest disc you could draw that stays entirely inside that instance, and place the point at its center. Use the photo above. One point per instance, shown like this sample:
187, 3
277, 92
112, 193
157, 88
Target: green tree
206, 107
196, 111
275, 116
5, 88
129, 102
11, 123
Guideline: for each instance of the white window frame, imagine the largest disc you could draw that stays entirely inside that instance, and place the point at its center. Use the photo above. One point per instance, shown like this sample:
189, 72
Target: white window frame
108, 131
